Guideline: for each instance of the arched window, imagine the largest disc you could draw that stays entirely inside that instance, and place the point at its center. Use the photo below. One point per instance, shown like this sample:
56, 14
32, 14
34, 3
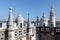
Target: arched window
44, 25
21, 25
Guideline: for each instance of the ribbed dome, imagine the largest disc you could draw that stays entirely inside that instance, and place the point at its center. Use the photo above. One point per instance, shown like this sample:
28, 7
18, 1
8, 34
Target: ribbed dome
43, 21
44, 18
19, 18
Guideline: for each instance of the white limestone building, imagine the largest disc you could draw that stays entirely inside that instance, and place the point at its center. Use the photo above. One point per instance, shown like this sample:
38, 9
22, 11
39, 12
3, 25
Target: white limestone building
16, 30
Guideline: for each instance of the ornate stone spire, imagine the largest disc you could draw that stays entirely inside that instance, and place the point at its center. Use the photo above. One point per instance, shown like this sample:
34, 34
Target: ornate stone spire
29, 20
10, 18
52, 7
28, 24
10, 26
52, 17
44, 15
37, 20
52, 11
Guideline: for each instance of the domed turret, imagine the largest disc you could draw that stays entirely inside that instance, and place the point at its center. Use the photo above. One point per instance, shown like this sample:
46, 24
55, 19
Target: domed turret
43, 21
19, 18
19, 21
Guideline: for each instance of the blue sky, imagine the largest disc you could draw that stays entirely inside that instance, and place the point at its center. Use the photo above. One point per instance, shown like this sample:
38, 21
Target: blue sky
34, 7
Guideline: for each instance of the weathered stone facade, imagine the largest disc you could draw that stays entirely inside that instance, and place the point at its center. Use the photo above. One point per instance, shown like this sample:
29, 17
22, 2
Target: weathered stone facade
19, 29
48, 33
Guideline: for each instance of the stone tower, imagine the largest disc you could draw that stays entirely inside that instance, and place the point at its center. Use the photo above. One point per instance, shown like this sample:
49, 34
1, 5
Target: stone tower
52, 17
10, 26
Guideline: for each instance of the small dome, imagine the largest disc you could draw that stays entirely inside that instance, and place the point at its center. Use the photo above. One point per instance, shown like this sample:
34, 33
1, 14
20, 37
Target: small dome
43, 21
44, 18
19, 18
